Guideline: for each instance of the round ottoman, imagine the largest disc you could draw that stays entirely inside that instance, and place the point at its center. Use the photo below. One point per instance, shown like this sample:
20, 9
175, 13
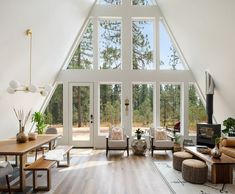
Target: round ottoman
194, 171
179, 157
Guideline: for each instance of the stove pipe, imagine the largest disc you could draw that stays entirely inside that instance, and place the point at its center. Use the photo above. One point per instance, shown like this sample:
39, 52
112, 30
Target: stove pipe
209, 97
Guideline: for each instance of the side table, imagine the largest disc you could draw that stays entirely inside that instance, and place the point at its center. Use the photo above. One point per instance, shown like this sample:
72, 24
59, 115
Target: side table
139, 146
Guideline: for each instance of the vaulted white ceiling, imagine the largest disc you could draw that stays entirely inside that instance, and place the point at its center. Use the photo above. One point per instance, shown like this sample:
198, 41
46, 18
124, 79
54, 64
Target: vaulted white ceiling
205, 32
203, 29
55, 25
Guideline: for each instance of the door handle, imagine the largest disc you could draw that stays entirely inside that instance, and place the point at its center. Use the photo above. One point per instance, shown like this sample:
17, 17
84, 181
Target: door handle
91, 118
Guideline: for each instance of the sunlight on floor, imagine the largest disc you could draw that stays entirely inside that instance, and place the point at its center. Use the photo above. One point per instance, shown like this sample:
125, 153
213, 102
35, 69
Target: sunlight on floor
87, 164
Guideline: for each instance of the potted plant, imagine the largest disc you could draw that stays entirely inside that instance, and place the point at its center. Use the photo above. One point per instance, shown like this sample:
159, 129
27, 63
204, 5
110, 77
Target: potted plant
177, 141
139, 133
39, 119
229, 124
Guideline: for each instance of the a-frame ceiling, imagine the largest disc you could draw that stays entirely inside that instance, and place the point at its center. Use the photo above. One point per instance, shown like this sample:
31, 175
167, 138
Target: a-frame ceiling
204, 30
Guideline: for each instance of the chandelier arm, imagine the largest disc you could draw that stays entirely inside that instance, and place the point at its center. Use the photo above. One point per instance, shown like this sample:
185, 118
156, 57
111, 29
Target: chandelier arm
30, 59
30, 34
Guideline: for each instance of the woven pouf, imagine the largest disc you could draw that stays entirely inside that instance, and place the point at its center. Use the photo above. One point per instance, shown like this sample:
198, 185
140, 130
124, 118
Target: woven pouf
194, 171
179, 157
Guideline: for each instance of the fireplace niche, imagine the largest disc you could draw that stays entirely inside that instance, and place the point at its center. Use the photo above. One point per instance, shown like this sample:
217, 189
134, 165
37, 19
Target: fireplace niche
206, 134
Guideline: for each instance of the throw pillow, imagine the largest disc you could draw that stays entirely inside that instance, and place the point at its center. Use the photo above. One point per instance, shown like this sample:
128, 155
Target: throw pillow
117, 134
160, 134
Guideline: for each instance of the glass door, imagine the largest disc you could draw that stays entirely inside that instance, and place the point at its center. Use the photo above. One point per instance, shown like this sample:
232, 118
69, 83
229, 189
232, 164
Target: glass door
81, 114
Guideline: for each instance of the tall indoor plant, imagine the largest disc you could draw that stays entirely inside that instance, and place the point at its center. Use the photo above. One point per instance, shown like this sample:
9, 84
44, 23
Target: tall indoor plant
229, 124
39, 119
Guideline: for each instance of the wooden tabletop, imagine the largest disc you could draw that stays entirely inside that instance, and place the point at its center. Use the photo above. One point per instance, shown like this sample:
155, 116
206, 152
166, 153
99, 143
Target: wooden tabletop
11, 147
224, 159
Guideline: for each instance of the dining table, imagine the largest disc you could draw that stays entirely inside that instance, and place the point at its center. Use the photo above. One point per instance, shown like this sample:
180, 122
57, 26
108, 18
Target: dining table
10, 147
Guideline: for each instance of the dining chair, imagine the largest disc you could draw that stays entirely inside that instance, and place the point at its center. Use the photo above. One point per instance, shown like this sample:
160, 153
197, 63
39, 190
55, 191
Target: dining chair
5, 170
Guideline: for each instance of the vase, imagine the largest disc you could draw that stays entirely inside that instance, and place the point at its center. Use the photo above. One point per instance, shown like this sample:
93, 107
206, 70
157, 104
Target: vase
32, 136
215, 152
21, 137
138, 136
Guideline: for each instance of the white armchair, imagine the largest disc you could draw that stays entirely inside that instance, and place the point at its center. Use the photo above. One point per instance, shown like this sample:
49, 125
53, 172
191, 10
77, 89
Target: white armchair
117, 140
159, 140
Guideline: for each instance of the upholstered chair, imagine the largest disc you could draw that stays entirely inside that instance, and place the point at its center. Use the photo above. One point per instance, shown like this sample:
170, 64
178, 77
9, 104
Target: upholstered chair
159, 140
117, 140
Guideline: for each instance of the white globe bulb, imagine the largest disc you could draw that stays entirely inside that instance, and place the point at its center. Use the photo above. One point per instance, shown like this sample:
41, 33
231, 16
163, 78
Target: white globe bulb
10, 90
44, 93
48, 88
33, 88
14, 84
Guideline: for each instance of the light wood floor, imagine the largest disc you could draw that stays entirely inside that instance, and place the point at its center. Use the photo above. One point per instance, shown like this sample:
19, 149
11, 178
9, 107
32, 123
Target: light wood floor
92, 173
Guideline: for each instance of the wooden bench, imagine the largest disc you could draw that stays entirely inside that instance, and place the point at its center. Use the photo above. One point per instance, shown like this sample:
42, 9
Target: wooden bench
41, 165
66, 149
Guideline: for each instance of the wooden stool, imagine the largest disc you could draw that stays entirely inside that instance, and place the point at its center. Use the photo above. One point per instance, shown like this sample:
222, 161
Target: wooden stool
179, 157
194, 171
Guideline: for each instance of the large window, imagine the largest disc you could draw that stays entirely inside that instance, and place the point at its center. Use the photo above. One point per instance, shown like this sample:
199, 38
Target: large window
169, 58
197, 112
54, 110
142, 102
109, 44
110, 107
110, 2
169, 104
143, 2
83, 56
143, 44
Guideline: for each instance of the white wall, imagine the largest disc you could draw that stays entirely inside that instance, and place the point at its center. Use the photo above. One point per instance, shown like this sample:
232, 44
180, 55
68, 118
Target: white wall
55, 25
205, 31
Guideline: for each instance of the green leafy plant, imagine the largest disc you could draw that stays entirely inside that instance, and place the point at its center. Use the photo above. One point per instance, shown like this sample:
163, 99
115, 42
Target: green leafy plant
139, 131
176, 138
39, 119
229, 124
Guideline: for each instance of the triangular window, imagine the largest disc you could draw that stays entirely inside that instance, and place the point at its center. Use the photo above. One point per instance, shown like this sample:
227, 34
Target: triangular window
169, 57
197, 111
83, 56
54, 110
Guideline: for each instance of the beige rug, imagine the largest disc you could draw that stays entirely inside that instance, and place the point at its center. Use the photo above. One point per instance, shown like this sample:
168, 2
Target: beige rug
177, 185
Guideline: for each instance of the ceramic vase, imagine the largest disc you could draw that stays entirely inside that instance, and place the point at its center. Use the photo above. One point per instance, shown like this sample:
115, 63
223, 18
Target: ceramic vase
215, 152
21, 137
138, 136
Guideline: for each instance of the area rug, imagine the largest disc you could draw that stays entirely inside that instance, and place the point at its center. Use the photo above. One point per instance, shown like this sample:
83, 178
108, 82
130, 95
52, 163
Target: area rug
177, 185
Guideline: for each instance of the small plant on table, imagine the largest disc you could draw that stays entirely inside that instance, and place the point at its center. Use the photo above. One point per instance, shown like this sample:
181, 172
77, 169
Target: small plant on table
139, 133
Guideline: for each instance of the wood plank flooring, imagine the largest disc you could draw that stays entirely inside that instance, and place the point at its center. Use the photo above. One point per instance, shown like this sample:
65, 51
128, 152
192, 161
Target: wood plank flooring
92, 173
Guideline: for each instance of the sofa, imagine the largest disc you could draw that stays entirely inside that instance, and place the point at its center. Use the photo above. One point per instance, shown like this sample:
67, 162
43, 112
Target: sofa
227, 146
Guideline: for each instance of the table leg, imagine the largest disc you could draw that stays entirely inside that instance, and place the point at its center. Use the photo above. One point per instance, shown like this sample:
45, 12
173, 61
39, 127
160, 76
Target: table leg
21, 171
50, 145
221, 174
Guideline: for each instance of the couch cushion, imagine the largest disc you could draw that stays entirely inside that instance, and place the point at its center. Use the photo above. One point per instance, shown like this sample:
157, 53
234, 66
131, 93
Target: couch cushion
228, 142
163, 143
229, 151
117, 143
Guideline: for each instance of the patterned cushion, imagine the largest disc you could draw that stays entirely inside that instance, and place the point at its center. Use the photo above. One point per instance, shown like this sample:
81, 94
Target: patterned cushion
117, 134
160, 134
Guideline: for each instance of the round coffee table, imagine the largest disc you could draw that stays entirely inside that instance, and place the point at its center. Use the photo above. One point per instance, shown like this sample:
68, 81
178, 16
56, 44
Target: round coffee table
139, 146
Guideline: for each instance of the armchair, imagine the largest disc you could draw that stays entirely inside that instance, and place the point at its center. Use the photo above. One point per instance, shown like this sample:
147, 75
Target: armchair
159, 140
117, 140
